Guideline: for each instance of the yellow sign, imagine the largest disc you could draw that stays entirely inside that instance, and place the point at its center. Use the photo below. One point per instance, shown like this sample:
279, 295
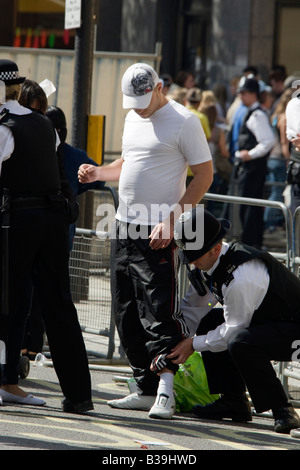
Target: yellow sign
95, 138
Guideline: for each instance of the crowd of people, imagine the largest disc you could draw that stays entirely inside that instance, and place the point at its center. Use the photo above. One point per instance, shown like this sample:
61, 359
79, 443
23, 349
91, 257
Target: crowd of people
159, 224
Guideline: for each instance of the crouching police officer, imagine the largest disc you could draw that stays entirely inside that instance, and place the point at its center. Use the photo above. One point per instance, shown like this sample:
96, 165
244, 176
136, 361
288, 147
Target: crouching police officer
258, 323
37, 248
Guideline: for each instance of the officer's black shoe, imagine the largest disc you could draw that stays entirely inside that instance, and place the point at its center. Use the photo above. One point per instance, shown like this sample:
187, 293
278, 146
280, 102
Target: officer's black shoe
286, 419
70, 407
235, 407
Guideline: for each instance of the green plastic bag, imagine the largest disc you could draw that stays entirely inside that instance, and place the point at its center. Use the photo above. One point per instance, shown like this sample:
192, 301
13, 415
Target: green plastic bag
190, 385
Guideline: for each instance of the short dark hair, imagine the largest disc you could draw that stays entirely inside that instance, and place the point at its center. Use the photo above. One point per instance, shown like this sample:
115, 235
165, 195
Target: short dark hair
251, 69
58, 118
278, 75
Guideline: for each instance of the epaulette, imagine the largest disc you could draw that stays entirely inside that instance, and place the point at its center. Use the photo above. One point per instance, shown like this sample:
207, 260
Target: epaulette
3, 113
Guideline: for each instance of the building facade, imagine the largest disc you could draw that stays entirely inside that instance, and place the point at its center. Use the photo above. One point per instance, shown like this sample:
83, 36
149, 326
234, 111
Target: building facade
215, 39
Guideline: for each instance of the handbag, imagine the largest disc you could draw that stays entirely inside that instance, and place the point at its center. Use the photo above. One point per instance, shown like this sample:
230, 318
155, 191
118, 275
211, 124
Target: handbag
293, 173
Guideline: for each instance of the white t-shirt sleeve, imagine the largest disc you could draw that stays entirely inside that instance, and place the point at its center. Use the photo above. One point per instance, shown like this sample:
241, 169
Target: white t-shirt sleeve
193, 143
259, 125
292, 114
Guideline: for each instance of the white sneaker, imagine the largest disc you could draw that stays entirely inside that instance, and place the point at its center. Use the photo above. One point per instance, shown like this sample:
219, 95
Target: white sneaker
134, 401
163, 408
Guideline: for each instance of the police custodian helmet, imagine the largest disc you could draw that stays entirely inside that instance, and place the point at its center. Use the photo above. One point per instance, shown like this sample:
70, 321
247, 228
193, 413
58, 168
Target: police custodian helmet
197, 231
9, 72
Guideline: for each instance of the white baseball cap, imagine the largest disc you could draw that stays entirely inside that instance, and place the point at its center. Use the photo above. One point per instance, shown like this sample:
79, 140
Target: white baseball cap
138, 83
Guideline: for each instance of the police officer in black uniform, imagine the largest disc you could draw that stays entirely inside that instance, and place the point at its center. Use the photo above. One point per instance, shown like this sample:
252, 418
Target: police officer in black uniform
38, 249
259, 321
256, 140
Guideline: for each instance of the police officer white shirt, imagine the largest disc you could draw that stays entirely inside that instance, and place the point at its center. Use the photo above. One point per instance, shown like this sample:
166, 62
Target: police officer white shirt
241, 297
7, 143
258, 123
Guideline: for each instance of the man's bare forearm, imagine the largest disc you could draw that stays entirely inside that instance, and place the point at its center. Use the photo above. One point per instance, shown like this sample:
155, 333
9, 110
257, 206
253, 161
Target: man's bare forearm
199, 185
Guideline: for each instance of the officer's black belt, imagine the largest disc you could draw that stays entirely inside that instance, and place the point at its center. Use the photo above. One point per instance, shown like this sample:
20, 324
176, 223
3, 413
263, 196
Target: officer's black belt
294, 318
35, 202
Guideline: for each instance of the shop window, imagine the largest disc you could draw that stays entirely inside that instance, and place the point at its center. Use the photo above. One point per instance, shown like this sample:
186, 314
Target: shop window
40, 24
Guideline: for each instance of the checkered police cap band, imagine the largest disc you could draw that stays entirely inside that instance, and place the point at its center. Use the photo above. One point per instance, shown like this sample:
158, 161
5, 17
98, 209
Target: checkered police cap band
9, 75
9, 72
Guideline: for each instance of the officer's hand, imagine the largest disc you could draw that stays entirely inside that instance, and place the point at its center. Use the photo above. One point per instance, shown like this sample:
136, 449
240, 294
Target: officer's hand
182, 351
244, 156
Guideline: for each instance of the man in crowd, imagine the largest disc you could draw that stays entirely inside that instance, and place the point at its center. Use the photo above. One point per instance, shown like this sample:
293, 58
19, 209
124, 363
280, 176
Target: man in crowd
255, 141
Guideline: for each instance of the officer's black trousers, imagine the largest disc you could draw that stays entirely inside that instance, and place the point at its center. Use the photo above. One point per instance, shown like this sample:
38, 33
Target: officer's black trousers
247, 360
252, 186
38, 256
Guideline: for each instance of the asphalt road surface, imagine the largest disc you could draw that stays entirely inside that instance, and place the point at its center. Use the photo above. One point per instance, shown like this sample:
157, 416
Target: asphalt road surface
118, 434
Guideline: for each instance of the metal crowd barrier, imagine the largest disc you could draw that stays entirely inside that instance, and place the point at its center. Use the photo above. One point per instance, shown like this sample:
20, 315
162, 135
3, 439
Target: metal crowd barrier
288, 255
89, 268
90, 285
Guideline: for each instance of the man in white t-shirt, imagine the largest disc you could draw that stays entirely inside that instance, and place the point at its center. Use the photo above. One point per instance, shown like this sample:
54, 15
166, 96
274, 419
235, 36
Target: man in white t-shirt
161, 139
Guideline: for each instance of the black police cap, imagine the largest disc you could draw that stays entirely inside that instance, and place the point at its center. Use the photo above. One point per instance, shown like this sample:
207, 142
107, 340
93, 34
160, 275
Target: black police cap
197, 231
